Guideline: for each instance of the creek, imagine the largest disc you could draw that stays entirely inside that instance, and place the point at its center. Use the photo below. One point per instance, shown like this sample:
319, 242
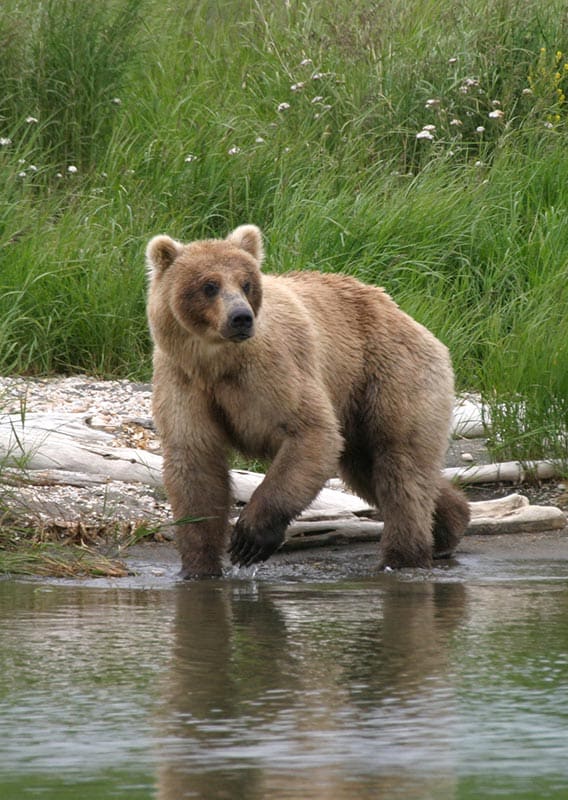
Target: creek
303, 681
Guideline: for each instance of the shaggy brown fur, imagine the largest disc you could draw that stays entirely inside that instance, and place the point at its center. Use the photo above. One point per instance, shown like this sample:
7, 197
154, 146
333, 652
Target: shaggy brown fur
320, 373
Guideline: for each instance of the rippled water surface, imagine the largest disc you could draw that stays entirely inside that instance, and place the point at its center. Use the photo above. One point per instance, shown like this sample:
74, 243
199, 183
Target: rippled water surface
440, 685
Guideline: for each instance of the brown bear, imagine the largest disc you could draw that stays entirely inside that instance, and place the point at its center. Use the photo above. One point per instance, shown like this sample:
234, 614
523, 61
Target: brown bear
319, 373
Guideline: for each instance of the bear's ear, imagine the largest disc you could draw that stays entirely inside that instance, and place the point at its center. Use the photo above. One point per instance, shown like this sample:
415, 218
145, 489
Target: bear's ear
248, 238
161, 253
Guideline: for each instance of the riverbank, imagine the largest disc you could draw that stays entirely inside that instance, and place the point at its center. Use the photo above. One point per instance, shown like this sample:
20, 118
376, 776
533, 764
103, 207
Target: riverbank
50, 507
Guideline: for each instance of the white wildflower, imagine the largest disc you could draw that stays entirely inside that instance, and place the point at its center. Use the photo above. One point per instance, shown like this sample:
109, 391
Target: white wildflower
497, 114
305, 62
317, 76
32, 168
432, 103
283, 107
32, 120
58, 174
479, 163
297, 87
548, 125
467, 84
480, 129
456, 122
4, 141
527, 91
234, 150
259, 140
189, 158
317, 99
430, 128
452, 60
21, 174
116, 101
424, 135
72, 169
496, 103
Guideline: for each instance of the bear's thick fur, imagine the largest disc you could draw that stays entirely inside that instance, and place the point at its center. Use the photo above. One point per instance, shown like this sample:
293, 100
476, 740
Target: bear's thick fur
319, 373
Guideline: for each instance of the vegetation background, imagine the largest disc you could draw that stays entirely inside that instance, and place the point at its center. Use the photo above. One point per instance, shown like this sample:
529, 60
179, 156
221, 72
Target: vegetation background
418, 144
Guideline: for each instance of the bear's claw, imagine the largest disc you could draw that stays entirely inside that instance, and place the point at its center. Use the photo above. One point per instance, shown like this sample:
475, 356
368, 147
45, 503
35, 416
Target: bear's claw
249, 546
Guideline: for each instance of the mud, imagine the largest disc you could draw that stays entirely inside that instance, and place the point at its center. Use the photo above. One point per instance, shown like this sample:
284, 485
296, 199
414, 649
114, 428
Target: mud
479, 558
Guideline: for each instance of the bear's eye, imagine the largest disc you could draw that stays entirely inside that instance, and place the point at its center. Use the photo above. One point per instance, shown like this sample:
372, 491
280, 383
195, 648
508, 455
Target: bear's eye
246, 287
210, 289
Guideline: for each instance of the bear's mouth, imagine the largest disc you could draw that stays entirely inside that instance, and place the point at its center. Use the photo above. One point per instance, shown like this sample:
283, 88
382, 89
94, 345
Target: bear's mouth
241, 336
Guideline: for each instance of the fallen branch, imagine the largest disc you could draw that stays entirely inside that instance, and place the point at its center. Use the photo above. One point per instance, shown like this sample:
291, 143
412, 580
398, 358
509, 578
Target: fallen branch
511, 514
55, 449
46, 448
507, 472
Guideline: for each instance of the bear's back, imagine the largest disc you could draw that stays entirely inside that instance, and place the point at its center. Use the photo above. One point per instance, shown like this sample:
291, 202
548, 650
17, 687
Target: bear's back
335, 322
359, 333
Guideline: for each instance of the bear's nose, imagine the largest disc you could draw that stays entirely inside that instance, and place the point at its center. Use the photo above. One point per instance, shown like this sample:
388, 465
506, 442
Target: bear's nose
240, 320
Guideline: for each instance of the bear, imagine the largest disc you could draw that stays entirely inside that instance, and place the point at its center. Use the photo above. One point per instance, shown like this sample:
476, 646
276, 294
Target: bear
318, 373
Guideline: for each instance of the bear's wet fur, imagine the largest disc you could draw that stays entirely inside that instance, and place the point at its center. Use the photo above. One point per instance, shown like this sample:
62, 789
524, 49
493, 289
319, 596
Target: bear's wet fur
319, 373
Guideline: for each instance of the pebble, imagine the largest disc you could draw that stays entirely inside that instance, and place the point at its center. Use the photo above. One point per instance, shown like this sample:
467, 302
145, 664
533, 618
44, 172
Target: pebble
119, 407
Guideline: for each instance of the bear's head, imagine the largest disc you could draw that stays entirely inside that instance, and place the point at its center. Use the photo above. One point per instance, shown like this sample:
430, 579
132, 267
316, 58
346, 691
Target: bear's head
211, 288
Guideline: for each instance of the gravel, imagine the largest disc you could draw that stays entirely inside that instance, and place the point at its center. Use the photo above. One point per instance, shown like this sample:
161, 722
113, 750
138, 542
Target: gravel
123, 408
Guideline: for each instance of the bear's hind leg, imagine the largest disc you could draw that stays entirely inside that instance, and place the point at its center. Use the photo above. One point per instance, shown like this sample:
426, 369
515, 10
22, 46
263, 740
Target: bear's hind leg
451, 511
451, 518
356, 471
405, 495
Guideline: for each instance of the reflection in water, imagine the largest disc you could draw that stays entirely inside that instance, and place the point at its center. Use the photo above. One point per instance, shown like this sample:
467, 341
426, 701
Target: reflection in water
335, 691
75, 669
383, 687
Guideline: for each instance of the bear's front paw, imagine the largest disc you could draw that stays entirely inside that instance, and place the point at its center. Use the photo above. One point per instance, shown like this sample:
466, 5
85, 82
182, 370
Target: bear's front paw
399, 559
192, 573
251, 544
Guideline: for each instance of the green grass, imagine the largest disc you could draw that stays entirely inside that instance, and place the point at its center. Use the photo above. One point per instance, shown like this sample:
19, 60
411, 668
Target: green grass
169, 113
27, 551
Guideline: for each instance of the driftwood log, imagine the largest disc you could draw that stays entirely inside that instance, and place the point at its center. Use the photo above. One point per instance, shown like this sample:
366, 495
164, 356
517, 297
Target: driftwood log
49, 449
511, 514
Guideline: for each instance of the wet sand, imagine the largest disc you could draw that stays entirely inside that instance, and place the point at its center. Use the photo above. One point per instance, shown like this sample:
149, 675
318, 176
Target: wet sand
507, 556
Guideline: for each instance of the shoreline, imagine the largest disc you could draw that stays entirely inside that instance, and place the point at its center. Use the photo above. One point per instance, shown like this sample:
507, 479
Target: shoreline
114, 511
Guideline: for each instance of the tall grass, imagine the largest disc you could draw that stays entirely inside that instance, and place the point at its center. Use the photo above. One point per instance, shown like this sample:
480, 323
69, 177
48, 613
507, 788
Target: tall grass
302, 118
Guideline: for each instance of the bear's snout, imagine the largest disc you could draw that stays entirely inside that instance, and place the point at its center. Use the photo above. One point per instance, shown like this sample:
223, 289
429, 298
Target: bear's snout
240, 324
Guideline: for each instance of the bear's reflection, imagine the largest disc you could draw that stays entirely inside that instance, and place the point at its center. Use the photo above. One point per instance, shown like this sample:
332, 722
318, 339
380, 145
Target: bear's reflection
322, 692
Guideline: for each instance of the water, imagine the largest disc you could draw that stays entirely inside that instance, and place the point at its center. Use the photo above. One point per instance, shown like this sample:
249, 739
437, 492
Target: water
302, 682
